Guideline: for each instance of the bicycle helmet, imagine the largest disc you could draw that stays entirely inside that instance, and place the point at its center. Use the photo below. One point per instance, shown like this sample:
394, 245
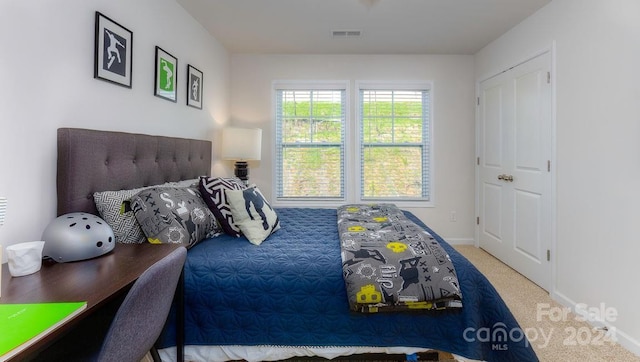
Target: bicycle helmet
77, 236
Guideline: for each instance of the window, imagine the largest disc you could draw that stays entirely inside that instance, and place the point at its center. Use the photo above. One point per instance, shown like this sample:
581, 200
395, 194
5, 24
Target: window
310, 139
394, 125
326, 155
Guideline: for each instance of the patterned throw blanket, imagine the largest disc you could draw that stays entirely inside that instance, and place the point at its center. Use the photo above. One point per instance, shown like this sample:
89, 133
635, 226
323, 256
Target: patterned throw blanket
391, 264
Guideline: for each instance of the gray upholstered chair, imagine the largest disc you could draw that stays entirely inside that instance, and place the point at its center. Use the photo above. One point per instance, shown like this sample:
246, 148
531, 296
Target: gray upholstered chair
127, 328
141, 316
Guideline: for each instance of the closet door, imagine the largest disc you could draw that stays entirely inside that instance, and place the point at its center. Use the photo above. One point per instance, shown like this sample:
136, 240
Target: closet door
515, 136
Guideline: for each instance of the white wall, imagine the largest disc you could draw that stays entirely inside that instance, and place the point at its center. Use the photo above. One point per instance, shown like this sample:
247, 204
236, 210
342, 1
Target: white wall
46, 70
453, 117
598, 149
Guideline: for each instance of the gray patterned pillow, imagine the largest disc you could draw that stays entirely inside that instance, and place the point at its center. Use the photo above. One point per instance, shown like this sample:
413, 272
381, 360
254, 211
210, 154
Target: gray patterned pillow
113, 208
110, 205
174, 215
184, 183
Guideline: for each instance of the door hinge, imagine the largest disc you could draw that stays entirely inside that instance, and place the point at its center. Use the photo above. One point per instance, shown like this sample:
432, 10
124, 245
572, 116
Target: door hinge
548, 165
478, 161
478, 220
478, 98
548, 77
548, 255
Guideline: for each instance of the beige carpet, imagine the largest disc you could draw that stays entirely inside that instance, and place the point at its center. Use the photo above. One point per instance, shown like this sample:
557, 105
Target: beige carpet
559, 338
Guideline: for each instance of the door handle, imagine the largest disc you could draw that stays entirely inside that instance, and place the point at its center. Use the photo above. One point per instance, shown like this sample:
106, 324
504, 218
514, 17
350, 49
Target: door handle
507, 178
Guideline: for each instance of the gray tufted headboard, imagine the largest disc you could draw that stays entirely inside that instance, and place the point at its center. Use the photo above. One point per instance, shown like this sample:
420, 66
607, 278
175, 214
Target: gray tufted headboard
91, 161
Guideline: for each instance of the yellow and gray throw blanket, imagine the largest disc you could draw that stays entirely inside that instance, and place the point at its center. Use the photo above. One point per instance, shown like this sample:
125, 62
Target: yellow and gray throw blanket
391, 264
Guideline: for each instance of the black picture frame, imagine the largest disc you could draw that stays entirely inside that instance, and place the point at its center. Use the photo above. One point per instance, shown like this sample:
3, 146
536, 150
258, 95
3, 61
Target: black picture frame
113, 56
195, 87
166, 75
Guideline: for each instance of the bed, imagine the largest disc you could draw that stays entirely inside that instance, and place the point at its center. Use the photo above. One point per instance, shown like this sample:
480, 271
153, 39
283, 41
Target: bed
285, 297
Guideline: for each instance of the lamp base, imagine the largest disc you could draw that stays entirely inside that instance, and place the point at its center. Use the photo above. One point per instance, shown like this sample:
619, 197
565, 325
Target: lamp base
242, 171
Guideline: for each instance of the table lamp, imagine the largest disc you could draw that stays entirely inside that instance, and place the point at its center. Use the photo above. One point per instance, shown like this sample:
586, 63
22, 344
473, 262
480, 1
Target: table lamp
241, 145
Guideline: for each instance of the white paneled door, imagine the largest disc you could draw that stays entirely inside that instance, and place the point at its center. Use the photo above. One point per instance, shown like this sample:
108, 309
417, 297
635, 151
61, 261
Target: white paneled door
515, 183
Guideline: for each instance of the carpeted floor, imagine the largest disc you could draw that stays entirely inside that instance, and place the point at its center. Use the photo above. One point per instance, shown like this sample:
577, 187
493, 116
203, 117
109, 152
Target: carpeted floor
559, 338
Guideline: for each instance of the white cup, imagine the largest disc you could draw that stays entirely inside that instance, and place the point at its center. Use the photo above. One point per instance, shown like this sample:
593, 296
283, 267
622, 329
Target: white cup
24, 258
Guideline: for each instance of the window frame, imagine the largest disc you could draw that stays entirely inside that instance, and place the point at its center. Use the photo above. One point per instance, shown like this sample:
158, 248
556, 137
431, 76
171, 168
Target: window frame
395, 86
353, 142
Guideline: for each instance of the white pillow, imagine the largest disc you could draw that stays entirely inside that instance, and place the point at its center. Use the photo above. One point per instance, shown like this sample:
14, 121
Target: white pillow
252, 214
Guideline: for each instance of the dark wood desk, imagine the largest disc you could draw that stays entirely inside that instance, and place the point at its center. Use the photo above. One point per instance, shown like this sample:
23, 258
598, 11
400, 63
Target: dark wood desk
95, 281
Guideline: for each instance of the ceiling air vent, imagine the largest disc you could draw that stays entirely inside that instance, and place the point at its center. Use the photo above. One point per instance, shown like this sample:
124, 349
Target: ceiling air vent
346, 33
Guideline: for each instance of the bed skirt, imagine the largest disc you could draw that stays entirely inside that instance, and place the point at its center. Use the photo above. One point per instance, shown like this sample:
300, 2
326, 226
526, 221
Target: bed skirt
275, 353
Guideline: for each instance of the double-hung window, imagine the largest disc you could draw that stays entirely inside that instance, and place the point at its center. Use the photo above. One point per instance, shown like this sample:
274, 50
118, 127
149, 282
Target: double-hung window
310, 142
325, 155
394, 142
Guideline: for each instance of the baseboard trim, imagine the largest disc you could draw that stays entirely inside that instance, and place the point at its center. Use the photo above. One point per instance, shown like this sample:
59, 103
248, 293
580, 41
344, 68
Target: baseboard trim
623, 339
460, 241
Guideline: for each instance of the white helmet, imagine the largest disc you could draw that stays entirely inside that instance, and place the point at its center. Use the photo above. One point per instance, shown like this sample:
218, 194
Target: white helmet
77, 236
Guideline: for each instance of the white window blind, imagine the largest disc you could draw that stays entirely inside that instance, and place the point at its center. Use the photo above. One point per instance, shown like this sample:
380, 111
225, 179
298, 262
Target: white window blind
310, 143
394, 144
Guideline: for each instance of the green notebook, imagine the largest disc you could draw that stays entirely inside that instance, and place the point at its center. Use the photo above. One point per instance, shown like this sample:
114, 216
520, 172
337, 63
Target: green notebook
23, 324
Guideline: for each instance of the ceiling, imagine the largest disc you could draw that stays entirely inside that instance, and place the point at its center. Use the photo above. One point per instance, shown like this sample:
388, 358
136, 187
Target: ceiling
386, 26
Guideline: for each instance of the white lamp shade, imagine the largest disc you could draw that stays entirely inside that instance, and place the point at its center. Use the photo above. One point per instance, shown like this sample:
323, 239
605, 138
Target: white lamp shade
243, 144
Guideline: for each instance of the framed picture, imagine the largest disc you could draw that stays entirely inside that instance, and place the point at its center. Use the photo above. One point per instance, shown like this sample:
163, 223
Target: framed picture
113, 52
166, 79
194, 87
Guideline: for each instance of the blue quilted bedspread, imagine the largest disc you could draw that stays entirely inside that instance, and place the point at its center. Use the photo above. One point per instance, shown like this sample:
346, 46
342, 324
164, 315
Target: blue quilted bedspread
289, 291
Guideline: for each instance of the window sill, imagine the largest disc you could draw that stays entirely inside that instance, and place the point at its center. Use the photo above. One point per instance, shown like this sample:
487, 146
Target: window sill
330, 204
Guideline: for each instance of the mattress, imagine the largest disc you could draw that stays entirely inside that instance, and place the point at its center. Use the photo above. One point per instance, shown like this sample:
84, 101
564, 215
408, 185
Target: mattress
290, 291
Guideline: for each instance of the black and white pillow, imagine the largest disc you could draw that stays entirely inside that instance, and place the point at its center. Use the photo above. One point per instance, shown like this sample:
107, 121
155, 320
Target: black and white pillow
110, 205
113, 207
253, 214
174, 215
213, 192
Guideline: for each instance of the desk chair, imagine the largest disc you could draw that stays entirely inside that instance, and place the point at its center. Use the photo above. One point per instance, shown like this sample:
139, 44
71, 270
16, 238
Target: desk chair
125, 328
141, 316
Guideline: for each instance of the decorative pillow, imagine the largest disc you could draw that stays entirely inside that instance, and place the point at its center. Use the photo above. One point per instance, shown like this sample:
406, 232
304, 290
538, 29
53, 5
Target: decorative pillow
184, 183
253, 214
110, 205
173, 215
113, 207
213, 192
